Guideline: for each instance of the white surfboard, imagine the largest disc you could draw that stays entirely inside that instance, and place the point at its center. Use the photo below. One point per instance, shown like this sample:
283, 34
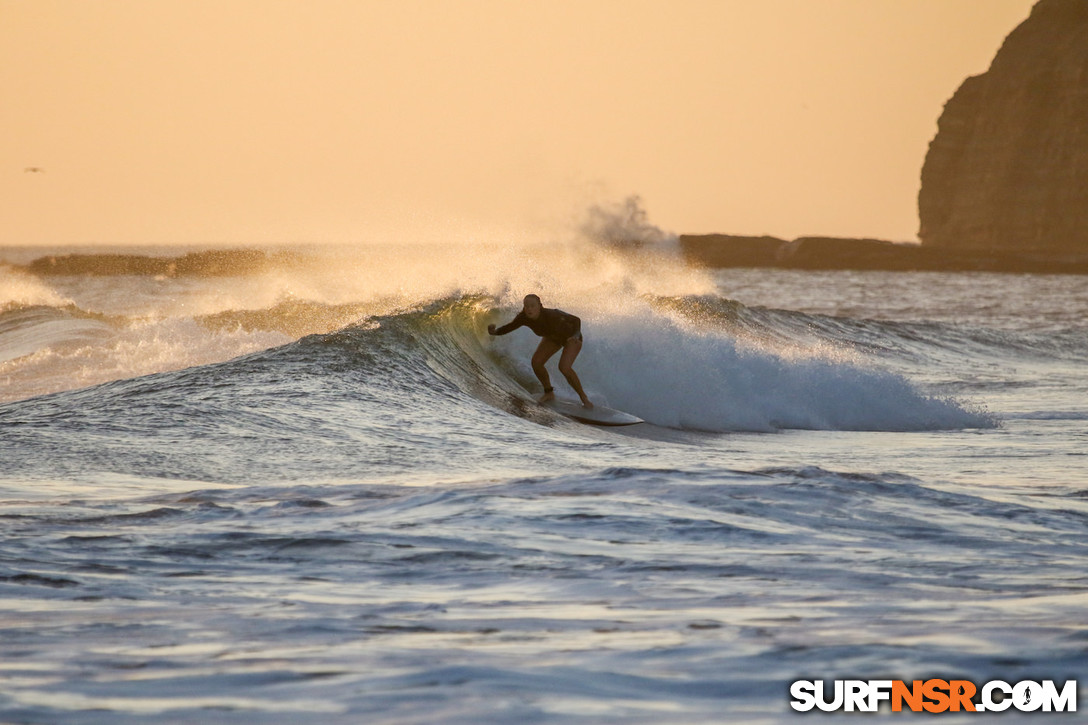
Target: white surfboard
597, 415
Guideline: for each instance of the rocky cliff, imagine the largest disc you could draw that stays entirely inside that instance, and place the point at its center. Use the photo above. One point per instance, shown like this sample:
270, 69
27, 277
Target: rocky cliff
1008, 169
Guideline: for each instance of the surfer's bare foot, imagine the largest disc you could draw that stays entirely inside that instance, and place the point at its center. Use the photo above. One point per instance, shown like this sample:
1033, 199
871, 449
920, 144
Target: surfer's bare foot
587, 403
546, 397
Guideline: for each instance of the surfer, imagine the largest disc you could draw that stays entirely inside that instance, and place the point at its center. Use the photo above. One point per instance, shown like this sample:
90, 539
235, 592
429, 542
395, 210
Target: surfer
558, 331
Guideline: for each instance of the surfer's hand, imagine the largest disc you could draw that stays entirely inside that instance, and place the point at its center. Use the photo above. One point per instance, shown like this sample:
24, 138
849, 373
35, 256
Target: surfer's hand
491, 329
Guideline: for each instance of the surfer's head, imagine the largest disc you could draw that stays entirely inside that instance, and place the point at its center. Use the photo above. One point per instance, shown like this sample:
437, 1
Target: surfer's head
531, 306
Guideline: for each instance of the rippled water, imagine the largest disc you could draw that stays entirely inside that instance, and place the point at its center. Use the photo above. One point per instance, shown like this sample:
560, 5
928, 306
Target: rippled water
344, 507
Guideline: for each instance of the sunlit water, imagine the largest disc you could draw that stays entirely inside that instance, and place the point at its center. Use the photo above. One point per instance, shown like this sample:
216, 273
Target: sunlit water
286, 502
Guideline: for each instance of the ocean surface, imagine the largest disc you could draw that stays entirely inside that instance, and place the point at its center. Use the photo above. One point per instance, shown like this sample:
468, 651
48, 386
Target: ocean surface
304, 485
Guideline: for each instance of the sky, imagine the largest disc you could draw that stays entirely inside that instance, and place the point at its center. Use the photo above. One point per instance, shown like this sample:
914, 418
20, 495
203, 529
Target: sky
286, 121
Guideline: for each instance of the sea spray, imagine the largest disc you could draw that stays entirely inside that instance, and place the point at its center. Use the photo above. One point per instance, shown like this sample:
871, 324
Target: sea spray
19, 288
626, 225
161, 312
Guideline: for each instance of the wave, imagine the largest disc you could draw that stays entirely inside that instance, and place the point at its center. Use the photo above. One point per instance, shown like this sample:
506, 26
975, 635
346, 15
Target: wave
915, 340
690, 376
46, 349
27, 329
661, 369
20, 288
718, 371
101, 317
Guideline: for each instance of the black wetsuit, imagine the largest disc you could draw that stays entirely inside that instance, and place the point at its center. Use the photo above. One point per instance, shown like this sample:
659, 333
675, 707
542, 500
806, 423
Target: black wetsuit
556, 325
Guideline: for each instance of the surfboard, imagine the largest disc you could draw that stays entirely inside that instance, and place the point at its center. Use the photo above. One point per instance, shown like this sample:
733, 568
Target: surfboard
597, 415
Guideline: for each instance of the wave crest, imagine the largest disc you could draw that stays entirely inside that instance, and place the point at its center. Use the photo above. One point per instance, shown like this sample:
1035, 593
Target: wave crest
19, 289
668, 371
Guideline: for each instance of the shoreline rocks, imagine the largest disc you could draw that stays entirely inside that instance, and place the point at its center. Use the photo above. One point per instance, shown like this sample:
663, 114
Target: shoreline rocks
838, 253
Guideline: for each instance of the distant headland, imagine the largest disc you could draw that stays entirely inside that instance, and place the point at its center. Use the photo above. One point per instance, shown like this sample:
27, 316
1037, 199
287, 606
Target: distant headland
1004, 186
727, 250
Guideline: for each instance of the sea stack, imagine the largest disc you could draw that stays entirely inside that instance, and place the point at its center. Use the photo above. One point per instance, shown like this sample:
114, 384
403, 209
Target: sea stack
1007, 173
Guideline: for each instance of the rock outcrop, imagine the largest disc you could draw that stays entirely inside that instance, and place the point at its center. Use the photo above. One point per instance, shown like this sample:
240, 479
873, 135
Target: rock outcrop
1007, 173
209, 263
725, 250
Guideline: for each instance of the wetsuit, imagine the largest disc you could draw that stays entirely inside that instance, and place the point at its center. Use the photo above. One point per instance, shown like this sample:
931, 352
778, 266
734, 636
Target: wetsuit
556, 325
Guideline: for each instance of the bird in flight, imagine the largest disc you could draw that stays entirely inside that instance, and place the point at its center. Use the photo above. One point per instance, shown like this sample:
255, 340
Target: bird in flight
33, 170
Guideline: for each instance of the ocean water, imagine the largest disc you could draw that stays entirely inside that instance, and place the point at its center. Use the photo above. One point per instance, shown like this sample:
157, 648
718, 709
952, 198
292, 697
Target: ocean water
315, 490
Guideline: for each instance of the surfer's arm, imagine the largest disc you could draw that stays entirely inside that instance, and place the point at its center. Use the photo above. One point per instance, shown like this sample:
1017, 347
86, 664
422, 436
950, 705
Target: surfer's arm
508, 327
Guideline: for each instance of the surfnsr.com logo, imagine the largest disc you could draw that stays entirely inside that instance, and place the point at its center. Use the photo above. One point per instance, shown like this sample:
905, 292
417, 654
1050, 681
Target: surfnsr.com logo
933, 695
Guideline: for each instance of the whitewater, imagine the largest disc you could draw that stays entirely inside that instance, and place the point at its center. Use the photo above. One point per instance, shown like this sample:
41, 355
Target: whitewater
302, 484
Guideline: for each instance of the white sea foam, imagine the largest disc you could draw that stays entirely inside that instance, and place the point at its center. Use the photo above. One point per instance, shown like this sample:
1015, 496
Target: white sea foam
90, 352
20, 288
676, 374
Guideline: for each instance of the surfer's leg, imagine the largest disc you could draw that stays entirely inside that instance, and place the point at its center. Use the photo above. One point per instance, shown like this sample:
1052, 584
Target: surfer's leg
543, 353
566, 366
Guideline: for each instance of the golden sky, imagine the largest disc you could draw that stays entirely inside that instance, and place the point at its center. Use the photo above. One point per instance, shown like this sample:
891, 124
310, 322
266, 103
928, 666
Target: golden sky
246, 121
